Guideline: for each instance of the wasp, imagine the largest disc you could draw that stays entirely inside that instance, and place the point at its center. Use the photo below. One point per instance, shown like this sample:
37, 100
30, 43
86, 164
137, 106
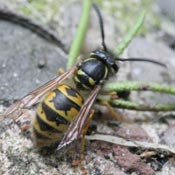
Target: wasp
64, 112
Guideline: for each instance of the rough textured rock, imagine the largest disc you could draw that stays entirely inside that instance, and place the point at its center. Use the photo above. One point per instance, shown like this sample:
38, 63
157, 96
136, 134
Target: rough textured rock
27, 61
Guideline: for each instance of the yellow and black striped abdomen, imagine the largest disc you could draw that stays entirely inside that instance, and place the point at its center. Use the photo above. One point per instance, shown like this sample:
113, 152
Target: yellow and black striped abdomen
54, 114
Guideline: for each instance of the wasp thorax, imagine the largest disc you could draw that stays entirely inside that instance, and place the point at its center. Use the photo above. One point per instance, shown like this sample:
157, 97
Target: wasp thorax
94, 70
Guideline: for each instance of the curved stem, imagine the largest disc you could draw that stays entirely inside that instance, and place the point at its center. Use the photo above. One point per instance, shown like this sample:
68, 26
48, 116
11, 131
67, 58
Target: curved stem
127, 39
80, 34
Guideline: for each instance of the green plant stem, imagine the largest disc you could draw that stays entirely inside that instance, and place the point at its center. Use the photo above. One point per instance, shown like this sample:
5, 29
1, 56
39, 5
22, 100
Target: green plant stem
138, 86
80, 34
134, 106
131, 34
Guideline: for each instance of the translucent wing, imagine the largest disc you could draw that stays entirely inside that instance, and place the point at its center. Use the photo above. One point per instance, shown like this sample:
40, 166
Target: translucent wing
17, 109
75, 128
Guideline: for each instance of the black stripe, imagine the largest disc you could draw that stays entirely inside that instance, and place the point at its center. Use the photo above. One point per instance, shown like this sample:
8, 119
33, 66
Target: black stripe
38, 135
84, 80
53, 116
72, 92
63, 103
45, 127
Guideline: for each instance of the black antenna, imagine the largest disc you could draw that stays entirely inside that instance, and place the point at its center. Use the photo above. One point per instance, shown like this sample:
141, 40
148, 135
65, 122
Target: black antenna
140, 59
101, 26
105, 48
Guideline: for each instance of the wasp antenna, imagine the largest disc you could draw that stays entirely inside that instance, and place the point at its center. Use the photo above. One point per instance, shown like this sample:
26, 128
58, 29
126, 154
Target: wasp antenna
144, 60
101, 26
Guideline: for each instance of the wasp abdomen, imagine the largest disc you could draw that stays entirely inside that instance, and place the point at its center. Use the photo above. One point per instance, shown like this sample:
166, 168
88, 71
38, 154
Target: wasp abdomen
54, 114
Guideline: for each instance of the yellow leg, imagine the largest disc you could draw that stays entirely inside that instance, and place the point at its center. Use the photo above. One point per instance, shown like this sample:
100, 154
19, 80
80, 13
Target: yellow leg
116, 115
60, 71
113, 95
83, 142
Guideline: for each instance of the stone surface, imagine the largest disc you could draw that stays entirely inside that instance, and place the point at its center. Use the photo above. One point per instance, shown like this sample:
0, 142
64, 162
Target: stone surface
147, 72
27, 61
168, 136
22, 52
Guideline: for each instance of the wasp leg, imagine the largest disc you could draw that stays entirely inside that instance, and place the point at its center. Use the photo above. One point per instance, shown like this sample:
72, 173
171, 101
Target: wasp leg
60, 71
85, 129
116, 115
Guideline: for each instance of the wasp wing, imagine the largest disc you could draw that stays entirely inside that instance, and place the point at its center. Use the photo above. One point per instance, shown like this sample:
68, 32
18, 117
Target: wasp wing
76, 127
17, 109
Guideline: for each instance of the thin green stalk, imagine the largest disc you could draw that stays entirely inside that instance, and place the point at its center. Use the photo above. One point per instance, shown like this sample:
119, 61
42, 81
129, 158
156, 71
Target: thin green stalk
131, 34
138, 86
134, 106
80, 34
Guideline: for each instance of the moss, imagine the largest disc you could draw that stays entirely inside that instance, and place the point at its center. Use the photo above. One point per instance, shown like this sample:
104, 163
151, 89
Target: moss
125, 12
